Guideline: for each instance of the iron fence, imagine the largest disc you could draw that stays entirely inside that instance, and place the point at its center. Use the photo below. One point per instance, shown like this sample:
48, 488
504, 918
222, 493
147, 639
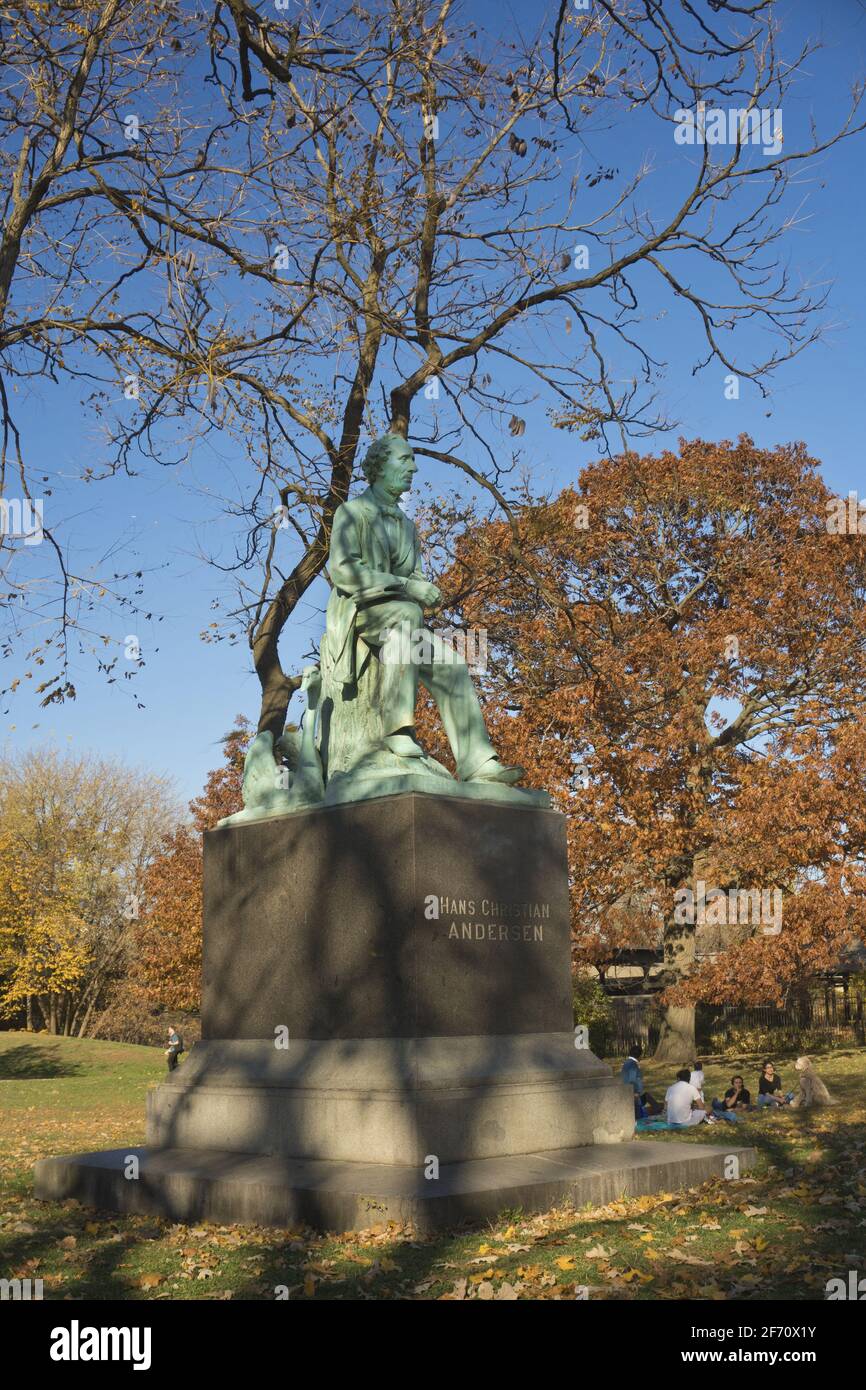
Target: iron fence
822, 1018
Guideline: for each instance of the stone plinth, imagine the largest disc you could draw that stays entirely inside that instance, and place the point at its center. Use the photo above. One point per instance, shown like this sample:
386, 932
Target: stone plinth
392, 1100
406, 917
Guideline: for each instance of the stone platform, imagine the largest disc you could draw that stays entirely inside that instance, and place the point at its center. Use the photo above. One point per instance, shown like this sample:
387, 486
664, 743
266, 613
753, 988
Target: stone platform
386, 988
208, 1185
391, 1100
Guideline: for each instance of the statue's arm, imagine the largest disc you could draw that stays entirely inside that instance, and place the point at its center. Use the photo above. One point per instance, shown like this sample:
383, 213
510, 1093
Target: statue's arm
350, 573
418, 570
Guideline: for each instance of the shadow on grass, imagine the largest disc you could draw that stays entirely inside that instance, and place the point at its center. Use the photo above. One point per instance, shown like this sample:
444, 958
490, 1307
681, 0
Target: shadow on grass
31, 1063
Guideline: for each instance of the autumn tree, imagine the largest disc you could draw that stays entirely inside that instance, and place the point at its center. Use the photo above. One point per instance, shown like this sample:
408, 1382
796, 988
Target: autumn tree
77, 836
676, 649
167, 958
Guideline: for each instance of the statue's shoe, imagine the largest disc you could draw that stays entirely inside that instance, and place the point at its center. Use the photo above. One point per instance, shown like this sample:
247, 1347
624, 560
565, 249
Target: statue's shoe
403, 746
495, 771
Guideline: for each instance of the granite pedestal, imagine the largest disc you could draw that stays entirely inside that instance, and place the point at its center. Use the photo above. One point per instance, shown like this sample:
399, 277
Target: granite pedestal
386, 997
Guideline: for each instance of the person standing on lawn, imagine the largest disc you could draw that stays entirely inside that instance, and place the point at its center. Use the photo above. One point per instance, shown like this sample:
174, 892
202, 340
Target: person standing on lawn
175, 1047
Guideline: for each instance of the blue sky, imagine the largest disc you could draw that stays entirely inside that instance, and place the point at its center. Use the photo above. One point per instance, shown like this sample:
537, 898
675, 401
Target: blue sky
159, 521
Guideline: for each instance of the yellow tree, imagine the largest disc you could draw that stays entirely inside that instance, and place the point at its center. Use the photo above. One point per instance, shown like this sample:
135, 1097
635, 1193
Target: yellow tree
78, 834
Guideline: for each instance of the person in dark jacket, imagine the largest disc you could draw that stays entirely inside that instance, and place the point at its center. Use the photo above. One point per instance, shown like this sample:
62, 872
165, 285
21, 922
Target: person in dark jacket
735, 1098
644, 1104
175, 1047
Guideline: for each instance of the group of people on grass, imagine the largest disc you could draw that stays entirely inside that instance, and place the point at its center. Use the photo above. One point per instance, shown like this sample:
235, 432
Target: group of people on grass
684, 1103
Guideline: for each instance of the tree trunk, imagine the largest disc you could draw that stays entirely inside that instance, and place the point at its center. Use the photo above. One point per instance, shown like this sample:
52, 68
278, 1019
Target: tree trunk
85, 1022
677, 1040
277, 689
29, 1024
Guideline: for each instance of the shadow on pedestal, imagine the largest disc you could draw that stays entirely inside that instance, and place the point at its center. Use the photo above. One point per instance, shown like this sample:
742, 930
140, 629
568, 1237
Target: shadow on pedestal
387, 1028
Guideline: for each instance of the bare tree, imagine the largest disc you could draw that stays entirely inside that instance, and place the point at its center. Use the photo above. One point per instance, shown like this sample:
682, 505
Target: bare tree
356, 214
82, 92
426, 199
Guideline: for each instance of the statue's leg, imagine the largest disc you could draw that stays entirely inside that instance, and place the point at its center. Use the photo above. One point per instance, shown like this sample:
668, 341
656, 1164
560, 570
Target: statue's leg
447, 677
389, 627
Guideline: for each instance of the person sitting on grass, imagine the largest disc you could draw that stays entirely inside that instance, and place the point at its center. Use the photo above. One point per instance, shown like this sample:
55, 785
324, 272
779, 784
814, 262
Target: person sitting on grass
812, 1089
696, 1077
770, 1088
644, 1104
736, 1098
683, 1102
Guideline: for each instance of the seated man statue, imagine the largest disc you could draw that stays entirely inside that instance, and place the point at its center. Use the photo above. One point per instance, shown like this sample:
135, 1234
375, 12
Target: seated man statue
378, 595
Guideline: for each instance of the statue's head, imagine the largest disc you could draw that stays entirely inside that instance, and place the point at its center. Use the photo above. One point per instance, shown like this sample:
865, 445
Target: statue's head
390, 462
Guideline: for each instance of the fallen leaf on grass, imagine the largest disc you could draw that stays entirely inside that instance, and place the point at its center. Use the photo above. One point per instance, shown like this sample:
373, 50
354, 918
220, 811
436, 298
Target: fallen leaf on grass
683, 1257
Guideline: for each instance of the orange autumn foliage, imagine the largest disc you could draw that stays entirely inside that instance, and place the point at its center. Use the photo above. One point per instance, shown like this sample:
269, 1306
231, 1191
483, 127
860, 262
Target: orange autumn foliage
677, 652
168, 958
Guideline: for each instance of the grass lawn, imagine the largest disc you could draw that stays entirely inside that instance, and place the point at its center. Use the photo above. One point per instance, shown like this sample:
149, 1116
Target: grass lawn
781, 1232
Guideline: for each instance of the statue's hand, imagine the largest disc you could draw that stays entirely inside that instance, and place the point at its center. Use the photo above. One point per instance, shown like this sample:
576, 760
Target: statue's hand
422, 592
311, 684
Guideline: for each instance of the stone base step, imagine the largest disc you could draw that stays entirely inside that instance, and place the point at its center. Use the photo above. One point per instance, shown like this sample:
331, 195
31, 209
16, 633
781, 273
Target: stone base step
190, 1185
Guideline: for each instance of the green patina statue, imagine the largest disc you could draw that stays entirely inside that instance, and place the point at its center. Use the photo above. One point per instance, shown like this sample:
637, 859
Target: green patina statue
357, 736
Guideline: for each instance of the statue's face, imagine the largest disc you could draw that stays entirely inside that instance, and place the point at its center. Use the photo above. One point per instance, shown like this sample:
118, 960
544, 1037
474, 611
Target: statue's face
399, 469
